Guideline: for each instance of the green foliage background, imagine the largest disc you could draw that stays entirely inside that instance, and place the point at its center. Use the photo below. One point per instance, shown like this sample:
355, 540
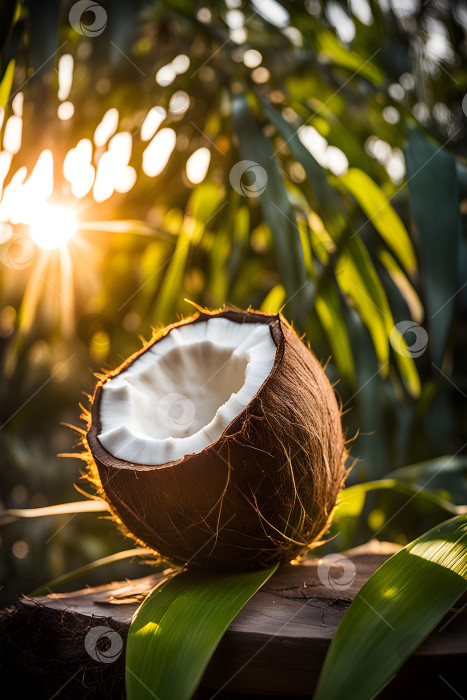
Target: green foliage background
346, 256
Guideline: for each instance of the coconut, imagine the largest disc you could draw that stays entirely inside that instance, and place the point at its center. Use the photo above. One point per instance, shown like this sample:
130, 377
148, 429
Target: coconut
220, 443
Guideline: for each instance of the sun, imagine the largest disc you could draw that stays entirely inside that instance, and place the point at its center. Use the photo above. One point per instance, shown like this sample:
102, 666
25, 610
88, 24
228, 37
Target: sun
53, 226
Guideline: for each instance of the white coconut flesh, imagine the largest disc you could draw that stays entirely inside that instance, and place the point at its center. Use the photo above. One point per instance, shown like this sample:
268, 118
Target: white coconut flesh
179, 396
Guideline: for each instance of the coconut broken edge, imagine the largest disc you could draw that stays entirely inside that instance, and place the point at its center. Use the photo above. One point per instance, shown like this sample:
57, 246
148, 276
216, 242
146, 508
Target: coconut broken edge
101, 454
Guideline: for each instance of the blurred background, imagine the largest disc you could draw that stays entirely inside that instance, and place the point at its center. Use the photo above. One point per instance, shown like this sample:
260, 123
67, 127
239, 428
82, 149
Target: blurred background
305, 156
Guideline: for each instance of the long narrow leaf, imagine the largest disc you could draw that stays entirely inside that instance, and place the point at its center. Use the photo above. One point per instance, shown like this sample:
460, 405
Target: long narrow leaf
389, 498
6, 83
331, 48
355, 494
277, 209
201, 213
394, 611
43, 35
434, 201
173, 278
328, 309
178, 627
382, 215
87, 568
405, 288
357, 277
7, 13
14, 33
91, 506
274, 301
448, 473
325, 194
369, 397
130, 226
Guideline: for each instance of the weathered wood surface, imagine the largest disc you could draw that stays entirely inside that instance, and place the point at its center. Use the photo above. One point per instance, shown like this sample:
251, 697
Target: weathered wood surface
275, 646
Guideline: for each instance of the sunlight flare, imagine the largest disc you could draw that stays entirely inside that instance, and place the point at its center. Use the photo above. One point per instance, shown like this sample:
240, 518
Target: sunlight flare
158, 152
53, 226
197, 165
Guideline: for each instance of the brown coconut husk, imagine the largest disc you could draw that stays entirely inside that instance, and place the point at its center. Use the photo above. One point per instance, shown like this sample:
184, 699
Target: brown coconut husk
264, 491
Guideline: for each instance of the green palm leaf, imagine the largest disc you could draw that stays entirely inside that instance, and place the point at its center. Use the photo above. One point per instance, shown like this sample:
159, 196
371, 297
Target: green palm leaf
326, 195
382, 215
178, 627
434, 202
275, 204
394, 611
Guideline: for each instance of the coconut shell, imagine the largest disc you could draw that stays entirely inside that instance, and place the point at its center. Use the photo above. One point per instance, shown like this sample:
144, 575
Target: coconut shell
264, 491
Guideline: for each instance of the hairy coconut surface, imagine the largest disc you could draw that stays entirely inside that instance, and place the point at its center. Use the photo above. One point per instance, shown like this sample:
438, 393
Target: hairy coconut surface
262, 491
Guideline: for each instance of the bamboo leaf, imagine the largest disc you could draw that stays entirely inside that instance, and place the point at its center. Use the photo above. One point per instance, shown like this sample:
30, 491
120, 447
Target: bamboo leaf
122, 21
330, 47
409, 373
130, 226
357, 277
328, 309
434, 201
389, 497
218, 278
43, 35
351, 496
394, 611
87, 568
405, 288
7, 82
90, 506
324, 192
204, 202
178, 627
368, 396
194, 224
277, 209
7, 13
407, 301
448, 473
13, 29
274, 300
382, 215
